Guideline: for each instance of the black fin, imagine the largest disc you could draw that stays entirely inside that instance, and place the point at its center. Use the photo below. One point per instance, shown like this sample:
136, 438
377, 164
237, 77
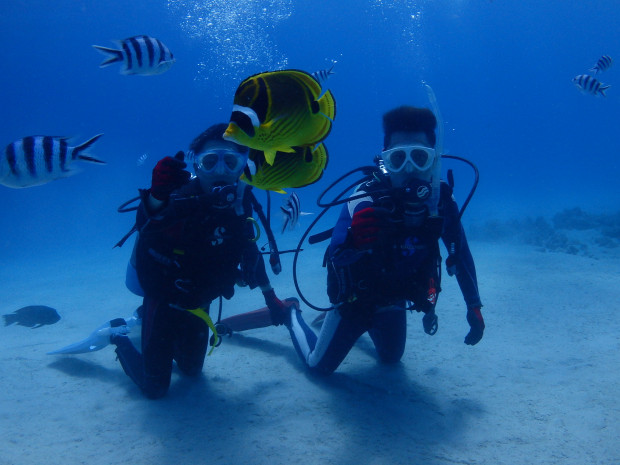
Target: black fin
112, 54
75, 153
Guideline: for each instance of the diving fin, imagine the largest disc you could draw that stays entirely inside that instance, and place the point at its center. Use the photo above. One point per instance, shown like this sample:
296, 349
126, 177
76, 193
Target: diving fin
100, 337
255, 319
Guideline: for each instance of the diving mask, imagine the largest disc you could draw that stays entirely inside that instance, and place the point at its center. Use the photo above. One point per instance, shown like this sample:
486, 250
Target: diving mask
221, 161
419, 156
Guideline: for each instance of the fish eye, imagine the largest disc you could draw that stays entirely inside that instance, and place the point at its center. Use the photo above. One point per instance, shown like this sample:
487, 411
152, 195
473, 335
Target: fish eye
243, 121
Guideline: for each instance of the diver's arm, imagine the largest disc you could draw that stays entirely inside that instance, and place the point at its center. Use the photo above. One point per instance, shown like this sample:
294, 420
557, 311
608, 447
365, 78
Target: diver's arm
460, 261
341, 234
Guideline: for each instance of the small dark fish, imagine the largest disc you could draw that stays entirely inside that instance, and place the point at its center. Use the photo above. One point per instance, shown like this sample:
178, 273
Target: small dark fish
140, 55
33, 316
602, 64
590, 85
35, 160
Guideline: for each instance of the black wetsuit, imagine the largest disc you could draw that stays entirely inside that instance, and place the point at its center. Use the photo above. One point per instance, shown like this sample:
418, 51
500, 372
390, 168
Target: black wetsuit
187, 254
371, 286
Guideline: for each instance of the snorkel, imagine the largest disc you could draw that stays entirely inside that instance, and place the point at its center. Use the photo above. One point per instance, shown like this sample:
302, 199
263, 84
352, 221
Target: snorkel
433, 200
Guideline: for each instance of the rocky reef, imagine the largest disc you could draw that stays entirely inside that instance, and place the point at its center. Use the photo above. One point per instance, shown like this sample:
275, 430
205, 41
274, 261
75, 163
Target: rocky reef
571, 231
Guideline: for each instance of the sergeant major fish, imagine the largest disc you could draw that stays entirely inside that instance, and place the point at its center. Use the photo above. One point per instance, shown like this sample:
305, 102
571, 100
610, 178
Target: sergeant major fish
590, 85
36, 160
279, 110
140, 55
603, 64
323, 75
292, 211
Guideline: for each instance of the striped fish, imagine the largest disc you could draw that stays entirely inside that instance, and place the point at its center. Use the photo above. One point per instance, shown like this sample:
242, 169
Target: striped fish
590, 85
140, 55
292, 212
323, 75
602, 64
36, 160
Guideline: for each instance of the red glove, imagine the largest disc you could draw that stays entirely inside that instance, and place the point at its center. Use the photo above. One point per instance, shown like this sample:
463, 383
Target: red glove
278, 310
366, 225
169, 174
476, 323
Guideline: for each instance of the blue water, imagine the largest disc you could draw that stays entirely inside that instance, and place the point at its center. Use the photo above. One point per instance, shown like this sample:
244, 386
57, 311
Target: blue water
538, 386
501, 71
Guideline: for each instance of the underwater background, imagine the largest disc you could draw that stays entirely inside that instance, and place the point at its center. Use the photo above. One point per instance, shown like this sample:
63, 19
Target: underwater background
501, 71
540, 387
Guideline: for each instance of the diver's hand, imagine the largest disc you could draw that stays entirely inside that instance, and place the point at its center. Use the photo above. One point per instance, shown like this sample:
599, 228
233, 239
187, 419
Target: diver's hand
476, 324
278, 311
430, 322
366, 226
169, 174
451, 265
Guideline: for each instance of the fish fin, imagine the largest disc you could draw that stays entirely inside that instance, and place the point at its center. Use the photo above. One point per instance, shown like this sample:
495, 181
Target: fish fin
90, 159
75, 153
319, 161
286, 220
320, 151
270, 156
113, 55
279, 190
307, 80
327, 105
602, 90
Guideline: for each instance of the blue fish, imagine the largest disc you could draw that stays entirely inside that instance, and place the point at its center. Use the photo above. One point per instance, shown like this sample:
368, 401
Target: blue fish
590, 85
602, 64
140, 55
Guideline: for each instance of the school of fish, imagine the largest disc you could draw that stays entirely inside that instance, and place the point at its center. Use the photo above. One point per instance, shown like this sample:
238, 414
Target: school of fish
589, 84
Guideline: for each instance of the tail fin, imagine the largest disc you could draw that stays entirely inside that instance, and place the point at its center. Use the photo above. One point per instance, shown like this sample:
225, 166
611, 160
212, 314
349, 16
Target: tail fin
112, 55
327, 105
9, 319
602, 90
80, 148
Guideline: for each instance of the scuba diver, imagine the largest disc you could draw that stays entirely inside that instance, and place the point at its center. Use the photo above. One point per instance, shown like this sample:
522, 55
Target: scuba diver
384, 251
196, 240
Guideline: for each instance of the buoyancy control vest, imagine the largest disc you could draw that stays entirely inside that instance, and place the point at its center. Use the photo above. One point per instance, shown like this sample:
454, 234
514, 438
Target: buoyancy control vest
189, 252
406, 251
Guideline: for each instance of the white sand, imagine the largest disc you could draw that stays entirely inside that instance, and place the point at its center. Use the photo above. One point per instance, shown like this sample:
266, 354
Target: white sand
541, 388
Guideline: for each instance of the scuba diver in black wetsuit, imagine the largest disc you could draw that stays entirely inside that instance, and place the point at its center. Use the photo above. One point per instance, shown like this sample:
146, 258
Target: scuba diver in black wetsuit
384, 251
196, 241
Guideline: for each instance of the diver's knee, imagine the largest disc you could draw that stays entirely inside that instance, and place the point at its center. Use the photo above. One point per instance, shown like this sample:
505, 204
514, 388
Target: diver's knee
155, 388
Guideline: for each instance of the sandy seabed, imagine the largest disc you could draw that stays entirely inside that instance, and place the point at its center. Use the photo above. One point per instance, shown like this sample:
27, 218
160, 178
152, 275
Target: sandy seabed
542, 387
